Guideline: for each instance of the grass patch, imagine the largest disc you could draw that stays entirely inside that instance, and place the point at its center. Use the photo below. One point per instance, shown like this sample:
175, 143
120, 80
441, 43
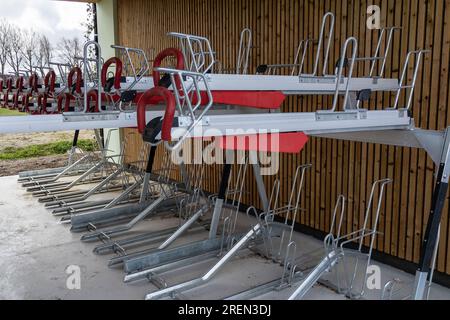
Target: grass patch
42, 150
6, 112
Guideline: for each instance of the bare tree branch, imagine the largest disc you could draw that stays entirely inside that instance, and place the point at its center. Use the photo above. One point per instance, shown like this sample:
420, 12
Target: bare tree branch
4, 43
68, 50
14, 56
44, 53
29, 49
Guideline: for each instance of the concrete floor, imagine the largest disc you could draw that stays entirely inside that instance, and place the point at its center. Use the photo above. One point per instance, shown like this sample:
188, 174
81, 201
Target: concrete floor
35, 251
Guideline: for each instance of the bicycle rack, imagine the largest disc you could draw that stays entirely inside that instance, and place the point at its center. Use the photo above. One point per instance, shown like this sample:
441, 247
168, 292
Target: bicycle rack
148, 265
42, 177
136, 66
90, 73
132, 179
78, 163
12, 102
206, 100
53, 86
245, 46
342, 86
51, 186
192, 207
98, 71
264, 228
302, 48
164, 189
324, 33
22, 99
6, 92
110, 213
285, 255
337, 253
198, 87
68, 203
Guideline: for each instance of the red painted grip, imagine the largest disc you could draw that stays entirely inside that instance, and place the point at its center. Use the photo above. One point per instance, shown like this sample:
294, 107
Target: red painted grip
49, 81
117, 74
5, 98
42, 102
19, 84
65, 97
15, 100
169, 52
9, 83
26, 101
77, 72
149, 98
92, 95
33, 82
60, 102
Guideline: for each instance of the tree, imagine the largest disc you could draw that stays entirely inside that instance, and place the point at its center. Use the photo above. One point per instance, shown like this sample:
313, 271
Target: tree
68, 51
29, 50
4, 44
14, 55
44, 53
25, 49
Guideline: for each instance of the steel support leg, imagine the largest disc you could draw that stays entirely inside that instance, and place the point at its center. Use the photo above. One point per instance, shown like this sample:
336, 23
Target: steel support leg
434, 221
148, 171
431, 235
74, 146
220, 200
259, 180
223, 190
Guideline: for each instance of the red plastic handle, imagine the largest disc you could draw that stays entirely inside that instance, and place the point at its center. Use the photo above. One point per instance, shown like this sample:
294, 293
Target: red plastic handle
59, 102
33, 82
149, 98
8, 90
19, 83
66, 97
169, 52
49, 81
92, 95
26, 101
117, 74
42, 102
9, 83
75, 71
15, 100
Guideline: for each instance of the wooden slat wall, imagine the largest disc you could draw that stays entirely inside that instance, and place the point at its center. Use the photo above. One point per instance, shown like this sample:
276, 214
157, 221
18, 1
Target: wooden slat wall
339, 167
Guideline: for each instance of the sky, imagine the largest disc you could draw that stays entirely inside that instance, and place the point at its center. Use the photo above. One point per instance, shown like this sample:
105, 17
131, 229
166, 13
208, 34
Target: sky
55, 19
